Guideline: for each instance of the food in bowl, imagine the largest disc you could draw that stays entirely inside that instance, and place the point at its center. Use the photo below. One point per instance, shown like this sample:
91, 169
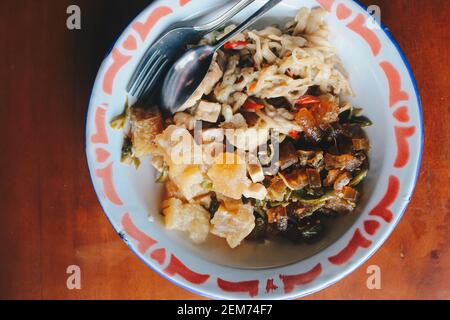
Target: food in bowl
267, 146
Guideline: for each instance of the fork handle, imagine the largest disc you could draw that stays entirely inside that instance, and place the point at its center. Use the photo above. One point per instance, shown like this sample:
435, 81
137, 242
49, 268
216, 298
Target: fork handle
252, 19
222, 20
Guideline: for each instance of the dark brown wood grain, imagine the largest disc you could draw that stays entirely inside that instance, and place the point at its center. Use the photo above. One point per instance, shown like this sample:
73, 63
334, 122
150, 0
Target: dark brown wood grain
50, 217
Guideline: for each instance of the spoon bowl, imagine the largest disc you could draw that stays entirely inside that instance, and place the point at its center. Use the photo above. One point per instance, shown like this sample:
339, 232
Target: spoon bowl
185, 77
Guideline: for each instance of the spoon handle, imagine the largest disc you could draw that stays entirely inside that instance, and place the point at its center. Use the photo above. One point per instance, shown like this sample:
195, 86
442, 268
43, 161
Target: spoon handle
222, 20
252, 19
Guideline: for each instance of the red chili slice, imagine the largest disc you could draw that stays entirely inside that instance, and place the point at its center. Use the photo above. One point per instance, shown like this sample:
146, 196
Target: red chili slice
252, 106
307, 100
294, 134
233, 45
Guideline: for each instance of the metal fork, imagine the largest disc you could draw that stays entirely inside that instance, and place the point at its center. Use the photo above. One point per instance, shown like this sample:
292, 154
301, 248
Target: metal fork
169, 46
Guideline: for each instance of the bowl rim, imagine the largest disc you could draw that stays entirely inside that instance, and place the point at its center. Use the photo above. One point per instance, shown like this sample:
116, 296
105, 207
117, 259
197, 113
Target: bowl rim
339, 275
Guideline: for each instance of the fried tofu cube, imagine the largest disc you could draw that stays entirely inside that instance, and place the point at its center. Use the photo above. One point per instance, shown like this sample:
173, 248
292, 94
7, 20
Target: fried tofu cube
234, 225
145, 126
188, 179
177, 145
256, 191
255, 170
190, 218
277, 189
229, 176
208, 111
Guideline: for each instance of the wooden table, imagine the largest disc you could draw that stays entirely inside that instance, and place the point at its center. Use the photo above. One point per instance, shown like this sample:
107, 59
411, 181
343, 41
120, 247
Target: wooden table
50, 217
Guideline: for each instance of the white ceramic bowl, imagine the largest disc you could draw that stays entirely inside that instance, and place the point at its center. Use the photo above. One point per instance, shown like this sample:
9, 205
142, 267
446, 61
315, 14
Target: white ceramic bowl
385, 88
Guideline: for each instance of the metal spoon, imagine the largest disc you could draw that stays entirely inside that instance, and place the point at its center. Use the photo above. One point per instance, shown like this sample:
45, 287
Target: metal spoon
189, 71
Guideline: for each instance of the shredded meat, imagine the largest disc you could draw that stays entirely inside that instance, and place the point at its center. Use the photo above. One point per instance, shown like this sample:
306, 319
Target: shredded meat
342, 180
340, 206
342, 162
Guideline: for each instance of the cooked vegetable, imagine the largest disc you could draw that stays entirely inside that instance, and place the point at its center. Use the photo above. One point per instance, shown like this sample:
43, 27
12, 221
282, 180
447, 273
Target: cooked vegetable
158, 163
120, 121
208, 185
127, 149
309, 230
353, 116
360, 176
317, 201
164, 175
348, 113
127, 155
260, 210
361, 121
